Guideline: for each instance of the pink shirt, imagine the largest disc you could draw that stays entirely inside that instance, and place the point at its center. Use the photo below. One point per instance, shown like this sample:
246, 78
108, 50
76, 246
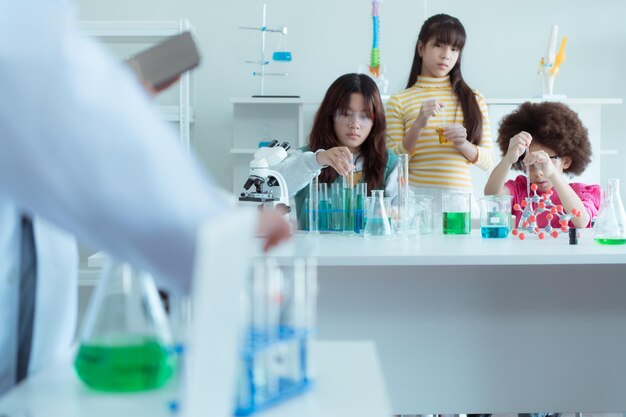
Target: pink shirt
590, 195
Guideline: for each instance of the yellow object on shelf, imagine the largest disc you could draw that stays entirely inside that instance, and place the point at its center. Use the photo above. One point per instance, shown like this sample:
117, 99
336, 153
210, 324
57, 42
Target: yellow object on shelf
560, 57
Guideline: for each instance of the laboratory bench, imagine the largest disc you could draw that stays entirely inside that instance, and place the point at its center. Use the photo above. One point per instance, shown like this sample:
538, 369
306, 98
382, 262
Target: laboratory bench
471, 325
348, 382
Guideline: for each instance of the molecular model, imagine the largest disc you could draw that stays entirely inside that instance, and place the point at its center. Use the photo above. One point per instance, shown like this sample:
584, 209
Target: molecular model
534, 205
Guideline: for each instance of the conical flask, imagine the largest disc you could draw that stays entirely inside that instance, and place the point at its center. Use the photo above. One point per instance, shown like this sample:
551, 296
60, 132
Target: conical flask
610, 226
125, 339
377, 221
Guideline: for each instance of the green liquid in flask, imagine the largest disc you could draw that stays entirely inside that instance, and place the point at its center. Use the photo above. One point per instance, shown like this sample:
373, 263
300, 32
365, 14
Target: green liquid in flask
132, 364
617, 241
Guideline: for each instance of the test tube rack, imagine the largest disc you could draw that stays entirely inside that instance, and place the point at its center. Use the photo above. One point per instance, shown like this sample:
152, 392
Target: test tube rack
279, 310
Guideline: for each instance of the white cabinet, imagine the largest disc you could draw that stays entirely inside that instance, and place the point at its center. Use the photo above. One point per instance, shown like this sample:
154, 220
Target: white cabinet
124, 38
261, 120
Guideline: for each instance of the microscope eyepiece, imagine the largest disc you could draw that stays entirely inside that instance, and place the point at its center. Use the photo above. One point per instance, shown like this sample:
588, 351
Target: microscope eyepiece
285, 145
272, 143
248, 183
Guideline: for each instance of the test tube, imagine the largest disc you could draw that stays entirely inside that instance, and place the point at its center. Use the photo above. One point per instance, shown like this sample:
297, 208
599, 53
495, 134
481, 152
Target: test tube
311, 316
313, 205
294, 360
323, 207
440, 129
275, 299
403, 194
348, 203
336, 201
360, 193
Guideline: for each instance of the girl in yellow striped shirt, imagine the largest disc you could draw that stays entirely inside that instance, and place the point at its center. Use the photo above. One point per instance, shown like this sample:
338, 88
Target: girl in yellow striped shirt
438, 120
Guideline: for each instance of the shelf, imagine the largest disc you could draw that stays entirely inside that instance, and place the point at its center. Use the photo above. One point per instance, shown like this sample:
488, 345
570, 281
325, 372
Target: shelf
172, 113
565, 100
137, 31
266, 100
151, 32
243, 151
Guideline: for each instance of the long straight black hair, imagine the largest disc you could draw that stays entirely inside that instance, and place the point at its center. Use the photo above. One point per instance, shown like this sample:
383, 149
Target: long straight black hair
374, 149
448, 30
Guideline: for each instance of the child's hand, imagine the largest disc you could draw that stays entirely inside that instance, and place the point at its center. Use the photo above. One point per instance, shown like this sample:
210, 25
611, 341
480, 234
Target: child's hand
456, 134
541, 160
429, 109
340, 158
517, 147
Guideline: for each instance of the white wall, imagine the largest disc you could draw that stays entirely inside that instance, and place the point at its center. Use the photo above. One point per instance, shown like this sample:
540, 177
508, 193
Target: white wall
330, 37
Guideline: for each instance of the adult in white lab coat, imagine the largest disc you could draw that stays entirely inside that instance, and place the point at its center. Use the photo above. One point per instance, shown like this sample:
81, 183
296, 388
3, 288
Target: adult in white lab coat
82, 147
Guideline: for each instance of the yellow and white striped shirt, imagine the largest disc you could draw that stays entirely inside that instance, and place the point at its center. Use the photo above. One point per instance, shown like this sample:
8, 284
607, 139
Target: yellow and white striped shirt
432, 164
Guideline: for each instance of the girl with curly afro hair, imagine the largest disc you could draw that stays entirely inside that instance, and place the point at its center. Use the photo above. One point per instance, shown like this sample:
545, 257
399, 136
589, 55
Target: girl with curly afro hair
547, 139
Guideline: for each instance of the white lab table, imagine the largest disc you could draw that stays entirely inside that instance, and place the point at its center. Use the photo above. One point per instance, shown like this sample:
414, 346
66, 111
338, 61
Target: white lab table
349, 382
471, 325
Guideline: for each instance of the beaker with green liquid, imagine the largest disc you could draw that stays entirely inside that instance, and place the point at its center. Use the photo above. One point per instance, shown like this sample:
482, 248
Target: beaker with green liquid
610, 226
125, 340
456, 207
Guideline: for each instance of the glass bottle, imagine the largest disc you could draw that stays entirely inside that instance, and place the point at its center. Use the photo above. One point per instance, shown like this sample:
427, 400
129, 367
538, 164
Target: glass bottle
125, 340
377, 221
610, 225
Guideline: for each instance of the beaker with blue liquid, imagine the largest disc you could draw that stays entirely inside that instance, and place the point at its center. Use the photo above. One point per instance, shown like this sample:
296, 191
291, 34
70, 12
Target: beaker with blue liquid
495, 216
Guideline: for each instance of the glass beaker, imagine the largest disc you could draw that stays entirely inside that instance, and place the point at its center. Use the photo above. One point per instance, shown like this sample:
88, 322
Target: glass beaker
610, 225
125, 341
377, 220
456, 209
425, 204
495, 216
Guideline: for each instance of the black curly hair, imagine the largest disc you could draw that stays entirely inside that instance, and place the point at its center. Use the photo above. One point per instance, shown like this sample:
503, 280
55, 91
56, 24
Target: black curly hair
553, 125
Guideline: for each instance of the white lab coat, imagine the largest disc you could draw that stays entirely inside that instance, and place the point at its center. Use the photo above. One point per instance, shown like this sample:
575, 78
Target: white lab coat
82, 147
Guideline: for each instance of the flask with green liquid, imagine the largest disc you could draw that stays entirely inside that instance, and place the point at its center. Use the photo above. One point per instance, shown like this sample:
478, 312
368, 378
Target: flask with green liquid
610, 225
125, 340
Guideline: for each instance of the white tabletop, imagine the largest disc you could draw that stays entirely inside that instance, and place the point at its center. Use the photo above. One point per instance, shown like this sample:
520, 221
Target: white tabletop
349, 382
438, 249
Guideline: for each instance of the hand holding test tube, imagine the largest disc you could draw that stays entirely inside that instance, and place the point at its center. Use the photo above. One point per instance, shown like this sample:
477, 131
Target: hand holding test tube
440, 129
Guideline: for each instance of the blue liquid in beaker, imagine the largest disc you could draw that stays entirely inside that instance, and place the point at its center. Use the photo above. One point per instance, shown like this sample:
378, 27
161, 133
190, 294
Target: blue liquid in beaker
282, 56
494, 232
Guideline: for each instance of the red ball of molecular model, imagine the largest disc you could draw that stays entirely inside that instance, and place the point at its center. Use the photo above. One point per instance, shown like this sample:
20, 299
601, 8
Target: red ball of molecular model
534, 205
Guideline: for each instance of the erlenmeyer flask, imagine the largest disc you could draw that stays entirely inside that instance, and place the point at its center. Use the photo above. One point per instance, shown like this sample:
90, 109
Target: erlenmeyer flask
610, 226
125, 339
377, 220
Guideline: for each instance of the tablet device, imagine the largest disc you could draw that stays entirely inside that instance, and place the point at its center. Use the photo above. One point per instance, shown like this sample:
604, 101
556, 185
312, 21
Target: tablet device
163, 63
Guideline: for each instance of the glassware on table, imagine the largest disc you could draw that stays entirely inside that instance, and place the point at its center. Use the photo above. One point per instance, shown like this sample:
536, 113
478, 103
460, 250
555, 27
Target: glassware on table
336, 213
610, 224
495, 216
402, 218
324, 208
125, 340
314, 205
348, 204
425, 218
377, 217
456, 213
360, 194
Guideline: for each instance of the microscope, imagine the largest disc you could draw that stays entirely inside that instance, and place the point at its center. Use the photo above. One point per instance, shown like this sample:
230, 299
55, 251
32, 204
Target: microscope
261, 174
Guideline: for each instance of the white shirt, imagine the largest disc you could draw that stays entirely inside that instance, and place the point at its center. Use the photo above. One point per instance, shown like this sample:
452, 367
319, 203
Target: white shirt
82, 147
